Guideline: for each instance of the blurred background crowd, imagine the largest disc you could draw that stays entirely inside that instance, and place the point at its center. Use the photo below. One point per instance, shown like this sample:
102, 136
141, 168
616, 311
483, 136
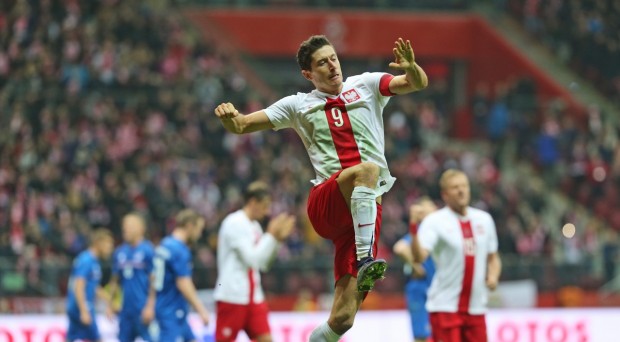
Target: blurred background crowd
107, 107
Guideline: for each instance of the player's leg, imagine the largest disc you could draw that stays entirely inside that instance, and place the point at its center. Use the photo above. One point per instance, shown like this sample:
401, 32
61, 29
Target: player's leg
230, 320
420, 324
475, 329
347, 301
257, 326
357, 185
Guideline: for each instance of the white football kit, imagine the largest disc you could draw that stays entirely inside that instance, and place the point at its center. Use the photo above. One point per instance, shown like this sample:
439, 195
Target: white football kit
242, 251
340, 131
460, 247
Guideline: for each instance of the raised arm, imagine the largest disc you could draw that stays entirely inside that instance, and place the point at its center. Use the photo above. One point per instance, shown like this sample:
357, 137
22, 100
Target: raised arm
261, 254
414, 78
238, 123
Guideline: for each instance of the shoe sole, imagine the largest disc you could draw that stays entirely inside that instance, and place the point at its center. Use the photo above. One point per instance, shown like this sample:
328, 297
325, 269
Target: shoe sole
369, 274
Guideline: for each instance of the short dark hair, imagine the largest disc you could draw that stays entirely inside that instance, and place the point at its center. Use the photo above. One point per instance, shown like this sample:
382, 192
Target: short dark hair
307, 48
256, 190
186, 217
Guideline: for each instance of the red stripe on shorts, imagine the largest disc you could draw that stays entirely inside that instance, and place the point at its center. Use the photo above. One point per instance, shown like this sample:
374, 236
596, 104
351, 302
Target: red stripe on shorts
469, 252
342, 133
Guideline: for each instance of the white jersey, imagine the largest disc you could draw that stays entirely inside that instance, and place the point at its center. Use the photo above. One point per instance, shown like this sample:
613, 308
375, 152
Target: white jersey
340, 131
460, 247
242, 251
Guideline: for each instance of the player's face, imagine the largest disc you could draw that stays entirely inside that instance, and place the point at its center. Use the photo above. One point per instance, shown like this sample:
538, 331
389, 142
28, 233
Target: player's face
325, 71
456, 192
106, 247
262, 208
133, 228
195, 230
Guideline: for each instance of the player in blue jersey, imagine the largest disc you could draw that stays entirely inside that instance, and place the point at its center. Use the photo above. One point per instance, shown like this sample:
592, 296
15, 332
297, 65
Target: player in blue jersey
84, 287
172, 270
132, 265
420, 275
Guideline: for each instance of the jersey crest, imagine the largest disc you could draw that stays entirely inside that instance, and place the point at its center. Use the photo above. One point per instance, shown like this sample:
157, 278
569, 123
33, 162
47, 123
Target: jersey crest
351, 96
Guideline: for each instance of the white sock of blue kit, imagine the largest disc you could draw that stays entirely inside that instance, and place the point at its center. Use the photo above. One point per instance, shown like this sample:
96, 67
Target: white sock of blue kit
364, 213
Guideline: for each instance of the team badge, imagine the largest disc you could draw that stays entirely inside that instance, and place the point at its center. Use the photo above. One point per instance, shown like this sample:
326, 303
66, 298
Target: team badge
351, 96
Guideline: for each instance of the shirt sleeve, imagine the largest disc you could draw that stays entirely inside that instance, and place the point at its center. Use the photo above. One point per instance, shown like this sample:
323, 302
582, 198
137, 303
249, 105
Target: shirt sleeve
281, 114
82, 268
379, 82
428, 236
115, 264
148, 260
493, 245
181, 263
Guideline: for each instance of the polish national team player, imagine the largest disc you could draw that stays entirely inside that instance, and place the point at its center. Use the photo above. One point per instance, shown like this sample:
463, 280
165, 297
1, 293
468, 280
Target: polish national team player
341, 126
243, 250
463, 243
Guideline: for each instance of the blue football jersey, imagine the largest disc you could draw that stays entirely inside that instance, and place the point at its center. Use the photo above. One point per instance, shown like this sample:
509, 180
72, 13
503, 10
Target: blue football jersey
133, 266
172, 260
85, 266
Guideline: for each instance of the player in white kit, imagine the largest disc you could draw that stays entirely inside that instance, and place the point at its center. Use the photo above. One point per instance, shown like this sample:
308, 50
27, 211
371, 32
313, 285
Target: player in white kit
341, 126
463, 243
242, 251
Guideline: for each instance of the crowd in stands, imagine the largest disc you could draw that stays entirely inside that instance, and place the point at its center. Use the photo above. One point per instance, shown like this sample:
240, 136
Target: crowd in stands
107, 106
583, 34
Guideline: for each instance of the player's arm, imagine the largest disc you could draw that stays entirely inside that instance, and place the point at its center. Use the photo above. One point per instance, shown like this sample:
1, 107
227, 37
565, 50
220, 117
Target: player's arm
402, 248
404, 59
188, 290
419, 253
238, 123
79, 288
494, 269
148, 312
261, 254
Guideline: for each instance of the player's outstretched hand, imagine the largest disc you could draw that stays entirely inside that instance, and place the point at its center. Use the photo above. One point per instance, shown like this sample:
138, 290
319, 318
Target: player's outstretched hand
226, 111
403, 55
281, 226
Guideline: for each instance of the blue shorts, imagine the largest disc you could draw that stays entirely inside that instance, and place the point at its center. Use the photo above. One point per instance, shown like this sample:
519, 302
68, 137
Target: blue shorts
131, 327
416, 304
174, 330
78, 331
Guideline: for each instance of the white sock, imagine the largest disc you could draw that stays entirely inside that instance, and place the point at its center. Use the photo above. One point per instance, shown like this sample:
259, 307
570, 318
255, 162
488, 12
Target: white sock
323, 333
364, 212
